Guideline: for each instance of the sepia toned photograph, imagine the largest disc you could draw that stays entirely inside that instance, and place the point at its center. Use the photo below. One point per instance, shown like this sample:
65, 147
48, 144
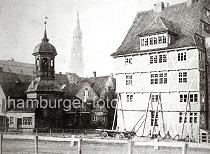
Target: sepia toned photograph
105, 76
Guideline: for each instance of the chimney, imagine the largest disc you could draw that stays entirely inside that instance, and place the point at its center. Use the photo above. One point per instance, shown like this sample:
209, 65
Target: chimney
94, 74
158, 7
166, 5
190, 2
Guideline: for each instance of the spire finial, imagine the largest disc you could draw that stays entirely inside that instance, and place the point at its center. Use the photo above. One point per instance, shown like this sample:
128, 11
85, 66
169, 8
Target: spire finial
45, 39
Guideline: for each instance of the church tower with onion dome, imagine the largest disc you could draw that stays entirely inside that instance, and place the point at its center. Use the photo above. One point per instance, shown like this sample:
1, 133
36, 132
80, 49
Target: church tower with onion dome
76, 59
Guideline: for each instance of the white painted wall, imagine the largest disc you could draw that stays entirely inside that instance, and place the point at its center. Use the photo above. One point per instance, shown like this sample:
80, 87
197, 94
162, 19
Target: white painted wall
141, 70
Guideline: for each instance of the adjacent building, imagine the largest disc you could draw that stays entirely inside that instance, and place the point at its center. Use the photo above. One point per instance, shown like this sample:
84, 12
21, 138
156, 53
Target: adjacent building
161, 72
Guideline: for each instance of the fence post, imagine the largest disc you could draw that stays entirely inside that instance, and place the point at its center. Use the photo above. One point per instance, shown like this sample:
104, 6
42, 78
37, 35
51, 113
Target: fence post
1, 143
184, 148
130, 147
156, 147
80, 146
36, 144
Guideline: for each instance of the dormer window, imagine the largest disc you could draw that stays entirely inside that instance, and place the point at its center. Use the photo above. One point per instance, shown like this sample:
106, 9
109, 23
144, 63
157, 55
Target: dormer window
153, 41
146, 41
164, 39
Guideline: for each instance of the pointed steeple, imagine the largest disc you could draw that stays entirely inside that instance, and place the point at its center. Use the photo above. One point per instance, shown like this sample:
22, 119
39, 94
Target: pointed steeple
45, 39
77, 27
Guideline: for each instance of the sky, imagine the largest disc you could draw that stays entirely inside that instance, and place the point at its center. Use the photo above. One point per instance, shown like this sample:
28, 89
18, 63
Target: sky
104, 24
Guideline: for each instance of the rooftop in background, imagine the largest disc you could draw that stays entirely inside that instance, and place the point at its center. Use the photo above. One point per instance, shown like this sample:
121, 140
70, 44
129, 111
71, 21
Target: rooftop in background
13, 66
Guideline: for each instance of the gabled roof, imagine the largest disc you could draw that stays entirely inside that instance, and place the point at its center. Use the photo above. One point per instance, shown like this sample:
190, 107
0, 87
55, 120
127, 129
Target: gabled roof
183, 19
159, 25
14, 85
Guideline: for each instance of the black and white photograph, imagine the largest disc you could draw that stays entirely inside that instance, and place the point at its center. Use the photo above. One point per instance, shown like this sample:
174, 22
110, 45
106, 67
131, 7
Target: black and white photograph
104, 76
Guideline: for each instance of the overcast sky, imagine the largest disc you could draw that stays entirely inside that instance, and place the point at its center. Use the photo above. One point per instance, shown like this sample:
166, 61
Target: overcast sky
104, 24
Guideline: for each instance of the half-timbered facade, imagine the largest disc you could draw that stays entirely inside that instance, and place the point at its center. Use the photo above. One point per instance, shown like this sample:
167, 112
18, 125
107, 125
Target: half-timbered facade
161, 72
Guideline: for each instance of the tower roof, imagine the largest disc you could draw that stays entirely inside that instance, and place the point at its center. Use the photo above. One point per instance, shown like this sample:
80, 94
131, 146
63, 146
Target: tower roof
77, 26
45, 46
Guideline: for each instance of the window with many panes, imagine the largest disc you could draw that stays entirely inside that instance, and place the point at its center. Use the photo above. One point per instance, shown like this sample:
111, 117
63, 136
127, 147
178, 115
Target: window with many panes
182, 77
154, 118
128, 61
194, 98
27, 120
129, 98
154, 98
129, 79
162, 58
160, 78
182, 116
182, 56
193, 117
153, 59
154, 78
183, 97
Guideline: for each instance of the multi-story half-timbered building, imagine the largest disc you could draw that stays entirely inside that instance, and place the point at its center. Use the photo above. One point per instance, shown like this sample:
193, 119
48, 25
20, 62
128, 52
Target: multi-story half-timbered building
161, 78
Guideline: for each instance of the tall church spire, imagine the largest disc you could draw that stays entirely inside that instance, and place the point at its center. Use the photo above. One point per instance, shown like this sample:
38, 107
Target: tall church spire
76, 60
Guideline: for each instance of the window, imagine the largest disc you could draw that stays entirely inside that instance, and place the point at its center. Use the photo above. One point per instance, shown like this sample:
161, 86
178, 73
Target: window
182, 77
153, 59
146, 41
154, 98
27, 120
164, 39
155, 40
159, 78
194, 98
162, 78
183, 97
129, 98
154, 78
154, 118
129, 80
11, 120
182, 115
128, 61
193, 117
182, 56
94, 118
160, 39
158, 58
104, 119
142, 42
151, 41
89, 93
162, 58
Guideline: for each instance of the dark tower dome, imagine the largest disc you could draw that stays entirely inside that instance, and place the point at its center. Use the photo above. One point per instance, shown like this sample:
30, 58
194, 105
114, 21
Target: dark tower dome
45, 47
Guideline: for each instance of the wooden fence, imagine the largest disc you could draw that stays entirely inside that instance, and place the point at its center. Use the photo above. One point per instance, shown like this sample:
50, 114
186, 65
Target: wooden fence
130, 143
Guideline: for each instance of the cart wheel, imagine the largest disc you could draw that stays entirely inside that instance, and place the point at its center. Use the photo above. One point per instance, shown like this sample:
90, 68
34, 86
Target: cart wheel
104, 135
121, 136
